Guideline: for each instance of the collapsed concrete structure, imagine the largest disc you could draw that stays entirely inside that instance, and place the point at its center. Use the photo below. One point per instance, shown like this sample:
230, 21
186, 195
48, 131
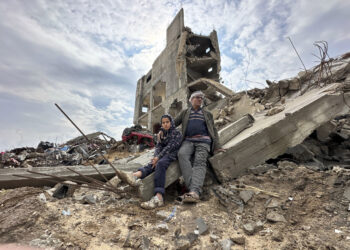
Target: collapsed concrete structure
254, 126
189, 62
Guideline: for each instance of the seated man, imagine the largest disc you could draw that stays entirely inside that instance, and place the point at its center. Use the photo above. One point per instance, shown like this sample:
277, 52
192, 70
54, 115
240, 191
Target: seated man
200, 137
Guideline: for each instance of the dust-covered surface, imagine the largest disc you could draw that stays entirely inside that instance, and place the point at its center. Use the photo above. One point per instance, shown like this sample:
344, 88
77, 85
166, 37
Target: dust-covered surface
311, 209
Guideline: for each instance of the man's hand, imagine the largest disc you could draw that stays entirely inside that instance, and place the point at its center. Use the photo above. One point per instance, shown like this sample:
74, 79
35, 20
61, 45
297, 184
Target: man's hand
154, 162
219, 150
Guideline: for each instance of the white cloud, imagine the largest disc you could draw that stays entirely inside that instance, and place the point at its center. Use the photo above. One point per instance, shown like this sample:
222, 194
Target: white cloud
87, 56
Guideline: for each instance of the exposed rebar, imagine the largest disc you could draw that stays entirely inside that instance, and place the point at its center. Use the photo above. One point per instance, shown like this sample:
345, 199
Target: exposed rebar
118, 173
297, 53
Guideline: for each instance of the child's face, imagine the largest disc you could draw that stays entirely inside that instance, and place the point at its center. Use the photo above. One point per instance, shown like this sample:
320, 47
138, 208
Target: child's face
166, 123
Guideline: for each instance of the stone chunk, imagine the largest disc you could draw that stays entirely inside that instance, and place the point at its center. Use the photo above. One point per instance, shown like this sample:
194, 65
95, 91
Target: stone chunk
274, 111
277, 236
162, 228
162, 214
89, 199
324, 130
63, 190
249, 228
226, 244
240, 240
235, 128
260, 169
213, 238
301, 153
246, 195
273, 203
115, 181
275, 217
202, 226
346, 193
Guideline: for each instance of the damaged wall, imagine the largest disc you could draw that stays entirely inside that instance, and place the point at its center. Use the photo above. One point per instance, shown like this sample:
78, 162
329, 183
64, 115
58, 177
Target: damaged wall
188, 58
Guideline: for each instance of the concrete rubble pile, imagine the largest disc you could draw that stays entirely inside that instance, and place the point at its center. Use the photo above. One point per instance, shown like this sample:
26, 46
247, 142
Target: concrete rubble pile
282, 183
276, 120
285, 114
74, 152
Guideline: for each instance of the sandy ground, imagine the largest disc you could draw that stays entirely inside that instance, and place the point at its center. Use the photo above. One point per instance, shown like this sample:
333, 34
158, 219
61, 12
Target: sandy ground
313, 208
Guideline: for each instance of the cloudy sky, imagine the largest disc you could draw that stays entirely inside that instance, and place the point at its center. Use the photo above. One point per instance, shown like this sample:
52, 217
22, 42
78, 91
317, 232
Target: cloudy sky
87, 55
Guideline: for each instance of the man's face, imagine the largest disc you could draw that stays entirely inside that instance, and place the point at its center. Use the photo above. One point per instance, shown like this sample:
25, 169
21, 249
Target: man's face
197, 101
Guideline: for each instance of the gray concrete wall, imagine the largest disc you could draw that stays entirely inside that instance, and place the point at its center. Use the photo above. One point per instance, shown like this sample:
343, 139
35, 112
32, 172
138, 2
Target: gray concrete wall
175, 28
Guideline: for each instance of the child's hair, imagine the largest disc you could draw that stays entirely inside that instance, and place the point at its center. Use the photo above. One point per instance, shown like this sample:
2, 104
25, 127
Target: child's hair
166, 117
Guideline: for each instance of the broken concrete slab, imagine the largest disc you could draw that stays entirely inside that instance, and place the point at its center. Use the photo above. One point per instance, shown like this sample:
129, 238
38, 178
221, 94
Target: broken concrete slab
146, 189
275, 217
270, 136
204, 83
8, 180
246, 195
233, 129
324, 130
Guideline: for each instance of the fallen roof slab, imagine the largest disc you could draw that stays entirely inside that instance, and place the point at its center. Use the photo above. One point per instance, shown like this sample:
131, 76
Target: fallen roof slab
204, 83
146, 190
271, 136
8, 180
233, 129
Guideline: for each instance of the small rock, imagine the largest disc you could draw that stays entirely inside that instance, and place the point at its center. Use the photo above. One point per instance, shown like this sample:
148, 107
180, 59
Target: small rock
246, 195
182, 243
265, 232
346, 193
89, 199
277, 236
42, 197
192, 237
272, 203
274, 111
259, 225
239, 240
115, 181
213, 238
249, 228
275, 217
202, 226
145, 243
306, 228
134, 224
260, 169
301, 153
62, 190
226, 244
162, 228
162, 214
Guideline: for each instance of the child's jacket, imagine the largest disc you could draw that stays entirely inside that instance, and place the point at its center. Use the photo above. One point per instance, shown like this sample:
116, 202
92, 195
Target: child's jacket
170, 142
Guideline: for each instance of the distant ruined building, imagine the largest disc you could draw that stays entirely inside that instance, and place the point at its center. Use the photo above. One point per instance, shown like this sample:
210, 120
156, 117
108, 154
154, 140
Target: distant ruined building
189, 62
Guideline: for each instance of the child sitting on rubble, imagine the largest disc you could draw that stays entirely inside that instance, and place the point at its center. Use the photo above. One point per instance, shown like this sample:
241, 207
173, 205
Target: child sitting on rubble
169, 142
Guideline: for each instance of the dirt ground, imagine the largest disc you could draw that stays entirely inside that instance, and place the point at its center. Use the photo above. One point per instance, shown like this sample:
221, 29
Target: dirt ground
311, 209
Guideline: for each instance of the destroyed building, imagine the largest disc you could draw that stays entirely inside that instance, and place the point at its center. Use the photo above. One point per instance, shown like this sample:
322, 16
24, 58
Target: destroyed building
188, 63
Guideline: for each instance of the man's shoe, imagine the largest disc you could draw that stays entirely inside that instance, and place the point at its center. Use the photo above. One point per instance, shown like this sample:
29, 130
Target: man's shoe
152, 203
191, 197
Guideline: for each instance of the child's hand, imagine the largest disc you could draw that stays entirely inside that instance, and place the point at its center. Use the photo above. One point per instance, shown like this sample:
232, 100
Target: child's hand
154, 161
159, 136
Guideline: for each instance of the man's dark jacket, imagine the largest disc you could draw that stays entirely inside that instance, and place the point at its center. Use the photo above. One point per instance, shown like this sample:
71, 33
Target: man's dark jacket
183, 117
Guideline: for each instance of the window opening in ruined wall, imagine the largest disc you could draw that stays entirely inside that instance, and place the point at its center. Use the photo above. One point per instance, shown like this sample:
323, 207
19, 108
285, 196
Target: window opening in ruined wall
175, 108
146, 104
159, 93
